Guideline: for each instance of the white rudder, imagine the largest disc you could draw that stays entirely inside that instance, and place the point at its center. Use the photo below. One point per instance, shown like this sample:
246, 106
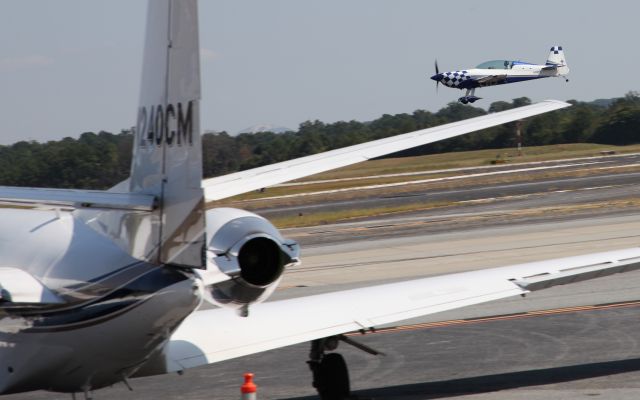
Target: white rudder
556, 57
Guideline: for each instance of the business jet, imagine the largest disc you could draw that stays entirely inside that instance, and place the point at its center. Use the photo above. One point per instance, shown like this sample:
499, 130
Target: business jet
500, 72
102, 286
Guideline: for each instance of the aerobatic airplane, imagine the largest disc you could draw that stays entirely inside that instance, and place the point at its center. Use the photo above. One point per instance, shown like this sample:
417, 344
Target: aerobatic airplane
500, 72
102, 286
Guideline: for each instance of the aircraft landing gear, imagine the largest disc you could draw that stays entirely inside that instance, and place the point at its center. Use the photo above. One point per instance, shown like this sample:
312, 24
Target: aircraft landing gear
469, 97
330, 372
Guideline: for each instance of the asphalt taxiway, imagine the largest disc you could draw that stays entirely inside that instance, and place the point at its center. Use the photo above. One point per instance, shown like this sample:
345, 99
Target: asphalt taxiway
584, 343
572, 354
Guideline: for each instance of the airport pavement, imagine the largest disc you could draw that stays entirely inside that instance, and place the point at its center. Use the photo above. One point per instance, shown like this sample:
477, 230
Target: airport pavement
394, 256
572, 355
566, 356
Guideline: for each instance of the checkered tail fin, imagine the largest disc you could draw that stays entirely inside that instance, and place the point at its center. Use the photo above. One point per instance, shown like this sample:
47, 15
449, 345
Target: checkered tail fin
556, 57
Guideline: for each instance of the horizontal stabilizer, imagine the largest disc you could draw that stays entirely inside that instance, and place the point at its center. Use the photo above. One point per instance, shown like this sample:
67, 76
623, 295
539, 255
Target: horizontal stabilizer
76, 198
245, 181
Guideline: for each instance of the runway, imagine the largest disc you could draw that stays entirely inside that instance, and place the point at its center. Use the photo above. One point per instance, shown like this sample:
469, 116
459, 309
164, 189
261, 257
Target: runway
372, 258
568, 181
577, 345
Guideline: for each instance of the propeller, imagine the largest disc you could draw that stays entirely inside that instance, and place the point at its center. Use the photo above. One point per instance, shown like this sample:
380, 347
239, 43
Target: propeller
437, 73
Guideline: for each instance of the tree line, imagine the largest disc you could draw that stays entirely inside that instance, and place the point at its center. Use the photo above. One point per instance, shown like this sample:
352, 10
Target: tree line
100, 160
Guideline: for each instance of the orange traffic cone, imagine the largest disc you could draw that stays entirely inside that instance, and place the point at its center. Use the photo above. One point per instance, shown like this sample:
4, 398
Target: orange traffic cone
248, 388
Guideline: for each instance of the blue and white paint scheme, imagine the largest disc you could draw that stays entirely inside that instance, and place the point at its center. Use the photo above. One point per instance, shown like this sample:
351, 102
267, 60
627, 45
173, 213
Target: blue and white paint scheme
500, 72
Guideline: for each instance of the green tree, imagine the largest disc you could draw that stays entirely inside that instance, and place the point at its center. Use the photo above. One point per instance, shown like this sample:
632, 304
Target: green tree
621, 127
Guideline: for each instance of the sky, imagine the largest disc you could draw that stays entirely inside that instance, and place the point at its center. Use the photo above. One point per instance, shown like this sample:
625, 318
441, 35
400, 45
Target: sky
72, 66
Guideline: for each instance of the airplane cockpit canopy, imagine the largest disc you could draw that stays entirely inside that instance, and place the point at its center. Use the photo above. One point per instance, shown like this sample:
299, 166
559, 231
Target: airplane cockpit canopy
500, 64
496, 64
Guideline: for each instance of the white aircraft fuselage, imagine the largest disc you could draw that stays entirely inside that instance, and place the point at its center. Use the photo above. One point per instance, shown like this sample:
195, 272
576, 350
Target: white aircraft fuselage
102, 312
469, 78
501, 72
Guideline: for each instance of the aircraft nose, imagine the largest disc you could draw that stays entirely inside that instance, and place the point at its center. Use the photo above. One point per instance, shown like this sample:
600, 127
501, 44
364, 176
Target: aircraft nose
437, 77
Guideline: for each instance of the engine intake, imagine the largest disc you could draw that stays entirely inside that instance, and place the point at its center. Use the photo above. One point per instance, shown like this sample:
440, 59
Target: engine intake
261, 261
248, 249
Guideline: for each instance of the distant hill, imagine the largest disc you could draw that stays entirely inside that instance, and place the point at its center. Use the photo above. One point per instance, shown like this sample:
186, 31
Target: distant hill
265, 128
604, 103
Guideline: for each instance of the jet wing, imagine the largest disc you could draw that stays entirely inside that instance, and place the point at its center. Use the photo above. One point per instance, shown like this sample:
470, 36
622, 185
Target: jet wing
245, 181
214, 335
76, 198
491, 80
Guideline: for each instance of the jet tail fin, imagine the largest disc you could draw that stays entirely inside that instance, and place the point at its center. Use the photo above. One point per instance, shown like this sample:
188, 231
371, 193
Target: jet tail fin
167, 159
166, 168
557, 58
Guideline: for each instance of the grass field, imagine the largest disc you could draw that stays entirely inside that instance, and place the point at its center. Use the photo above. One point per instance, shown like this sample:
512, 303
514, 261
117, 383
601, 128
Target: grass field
356, 175
430, 166
352, 215
470, 159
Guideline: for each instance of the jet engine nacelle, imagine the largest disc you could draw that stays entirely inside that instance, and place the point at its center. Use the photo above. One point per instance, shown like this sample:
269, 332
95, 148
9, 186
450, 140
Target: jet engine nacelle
249, 249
